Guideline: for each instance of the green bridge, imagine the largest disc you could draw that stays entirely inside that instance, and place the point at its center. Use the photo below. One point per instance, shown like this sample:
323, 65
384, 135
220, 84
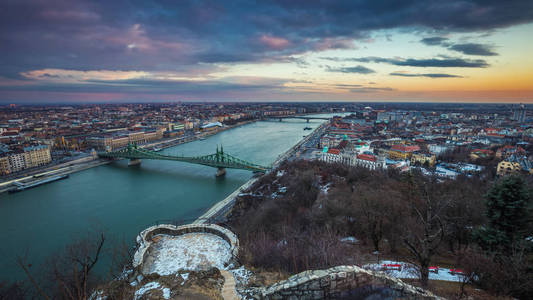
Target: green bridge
219, 160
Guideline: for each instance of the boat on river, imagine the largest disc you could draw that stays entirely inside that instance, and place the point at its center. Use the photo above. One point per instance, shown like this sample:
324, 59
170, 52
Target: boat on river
24, 186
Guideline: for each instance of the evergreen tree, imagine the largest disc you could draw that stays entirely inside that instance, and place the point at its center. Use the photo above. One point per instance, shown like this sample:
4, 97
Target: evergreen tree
508, 215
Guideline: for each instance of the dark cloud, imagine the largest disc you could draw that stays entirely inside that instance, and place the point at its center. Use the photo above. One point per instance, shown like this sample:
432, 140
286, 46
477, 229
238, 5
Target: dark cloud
165, 35
433, 41
430, 75
356, 69
156, 86
474, 49
446, 62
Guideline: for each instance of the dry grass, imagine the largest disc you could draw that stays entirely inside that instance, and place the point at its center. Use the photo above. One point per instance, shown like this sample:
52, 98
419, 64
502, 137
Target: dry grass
452, 290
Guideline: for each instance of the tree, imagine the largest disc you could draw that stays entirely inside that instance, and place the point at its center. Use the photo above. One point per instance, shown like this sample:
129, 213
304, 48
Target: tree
424, 228
70, 272
508, 215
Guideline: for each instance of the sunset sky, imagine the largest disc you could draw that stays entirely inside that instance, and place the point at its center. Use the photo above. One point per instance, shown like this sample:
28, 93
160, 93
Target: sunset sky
285, 50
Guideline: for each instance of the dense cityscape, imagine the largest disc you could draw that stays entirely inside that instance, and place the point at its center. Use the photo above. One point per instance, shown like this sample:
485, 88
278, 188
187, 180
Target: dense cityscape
36, 137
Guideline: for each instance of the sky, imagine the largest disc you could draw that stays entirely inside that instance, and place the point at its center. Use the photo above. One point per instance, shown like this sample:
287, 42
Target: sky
278, 50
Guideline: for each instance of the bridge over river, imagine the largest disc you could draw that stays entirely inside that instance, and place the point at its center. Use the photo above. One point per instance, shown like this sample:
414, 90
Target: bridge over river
307, 118
219, 160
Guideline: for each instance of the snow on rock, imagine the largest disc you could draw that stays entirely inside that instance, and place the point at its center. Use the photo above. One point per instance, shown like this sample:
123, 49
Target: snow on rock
166, 293
280, 173
147, 287
411, 271
241, 275
98, 295
184, 276
191, 251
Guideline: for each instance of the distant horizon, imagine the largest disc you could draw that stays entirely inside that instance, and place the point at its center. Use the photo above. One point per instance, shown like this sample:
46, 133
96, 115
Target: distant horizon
4, 103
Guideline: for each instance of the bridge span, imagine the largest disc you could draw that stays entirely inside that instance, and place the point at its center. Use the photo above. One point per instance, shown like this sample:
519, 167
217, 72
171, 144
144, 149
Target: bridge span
280, 118
219, 160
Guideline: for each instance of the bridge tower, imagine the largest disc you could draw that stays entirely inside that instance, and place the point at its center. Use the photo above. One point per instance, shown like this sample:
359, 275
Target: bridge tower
221, 171
133, 161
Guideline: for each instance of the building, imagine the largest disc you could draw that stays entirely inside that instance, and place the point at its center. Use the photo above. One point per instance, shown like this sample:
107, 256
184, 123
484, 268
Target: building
331, 155
36, 156
4, 166
402, 152
17, 162
481, 153
514, 164
370, 162
423, 159
509, 150
122, 139
519, 114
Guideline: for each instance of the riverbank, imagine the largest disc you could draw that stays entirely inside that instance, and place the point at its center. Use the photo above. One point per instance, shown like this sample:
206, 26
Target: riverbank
57, 171
172, 142
221, 208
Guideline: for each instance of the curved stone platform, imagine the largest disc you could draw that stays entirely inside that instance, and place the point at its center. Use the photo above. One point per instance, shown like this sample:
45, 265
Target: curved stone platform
145, 239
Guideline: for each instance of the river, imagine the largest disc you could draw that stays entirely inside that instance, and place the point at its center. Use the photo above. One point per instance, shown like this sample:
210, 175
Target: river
122, 200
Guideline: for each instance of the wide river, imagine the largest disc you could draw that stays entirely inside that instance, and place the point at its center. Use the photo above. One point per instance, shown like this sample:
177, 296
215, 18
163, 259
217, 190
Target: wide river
122, 200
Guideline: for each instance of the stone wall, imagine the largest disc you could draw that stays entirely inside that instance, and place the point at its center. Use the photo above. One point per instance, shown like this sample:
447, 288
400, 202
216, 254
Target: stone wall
144, 239
342, 282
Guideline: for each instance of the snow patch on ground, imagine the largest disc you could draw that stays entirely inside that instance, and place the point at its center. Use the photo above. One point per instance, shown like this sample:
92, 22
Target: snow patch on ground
411, 271
325, 188
191, 251
280, 173
349, 240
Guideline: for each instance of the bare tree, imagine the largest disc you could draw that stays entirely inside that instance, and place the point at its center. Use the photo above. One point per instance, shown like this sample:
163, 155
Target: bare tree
424, 230
70, 273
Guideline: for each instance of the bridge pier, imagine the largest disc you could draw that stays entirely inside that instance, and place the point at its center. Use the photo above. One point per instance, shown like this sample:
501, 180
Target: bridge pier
134, 162
220, 172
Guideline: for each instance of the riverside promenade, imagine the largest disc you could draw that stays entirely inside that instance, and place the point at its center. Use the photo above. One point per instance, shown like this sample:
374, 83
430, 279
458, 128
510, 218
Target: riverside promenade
220, 209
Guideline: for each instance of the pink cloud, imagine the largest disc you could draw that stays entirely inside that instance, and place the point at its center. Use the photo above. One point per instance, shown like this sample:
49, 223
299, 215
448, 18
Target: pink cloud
333, 43
272, 42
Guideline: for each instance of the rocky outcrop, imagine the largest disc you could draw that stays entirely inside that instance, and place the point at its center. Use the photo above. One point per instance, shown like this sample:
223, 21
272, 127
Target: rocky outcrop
342, 282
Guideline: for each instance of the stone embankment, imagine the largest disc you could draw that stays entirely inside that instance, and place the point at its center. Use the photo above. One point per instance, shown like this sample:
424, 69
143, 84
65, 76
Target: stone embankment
341, 282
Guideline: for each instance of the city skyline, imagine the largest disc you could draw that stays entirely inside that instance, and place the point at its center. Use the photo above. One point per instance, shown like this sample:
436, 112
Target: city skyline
83, 51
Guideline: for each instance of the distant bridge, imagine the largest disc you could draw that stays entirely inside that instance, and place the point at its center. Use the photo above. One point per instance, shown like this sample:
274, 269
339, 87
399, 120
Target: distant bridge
219, 160
299, 117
